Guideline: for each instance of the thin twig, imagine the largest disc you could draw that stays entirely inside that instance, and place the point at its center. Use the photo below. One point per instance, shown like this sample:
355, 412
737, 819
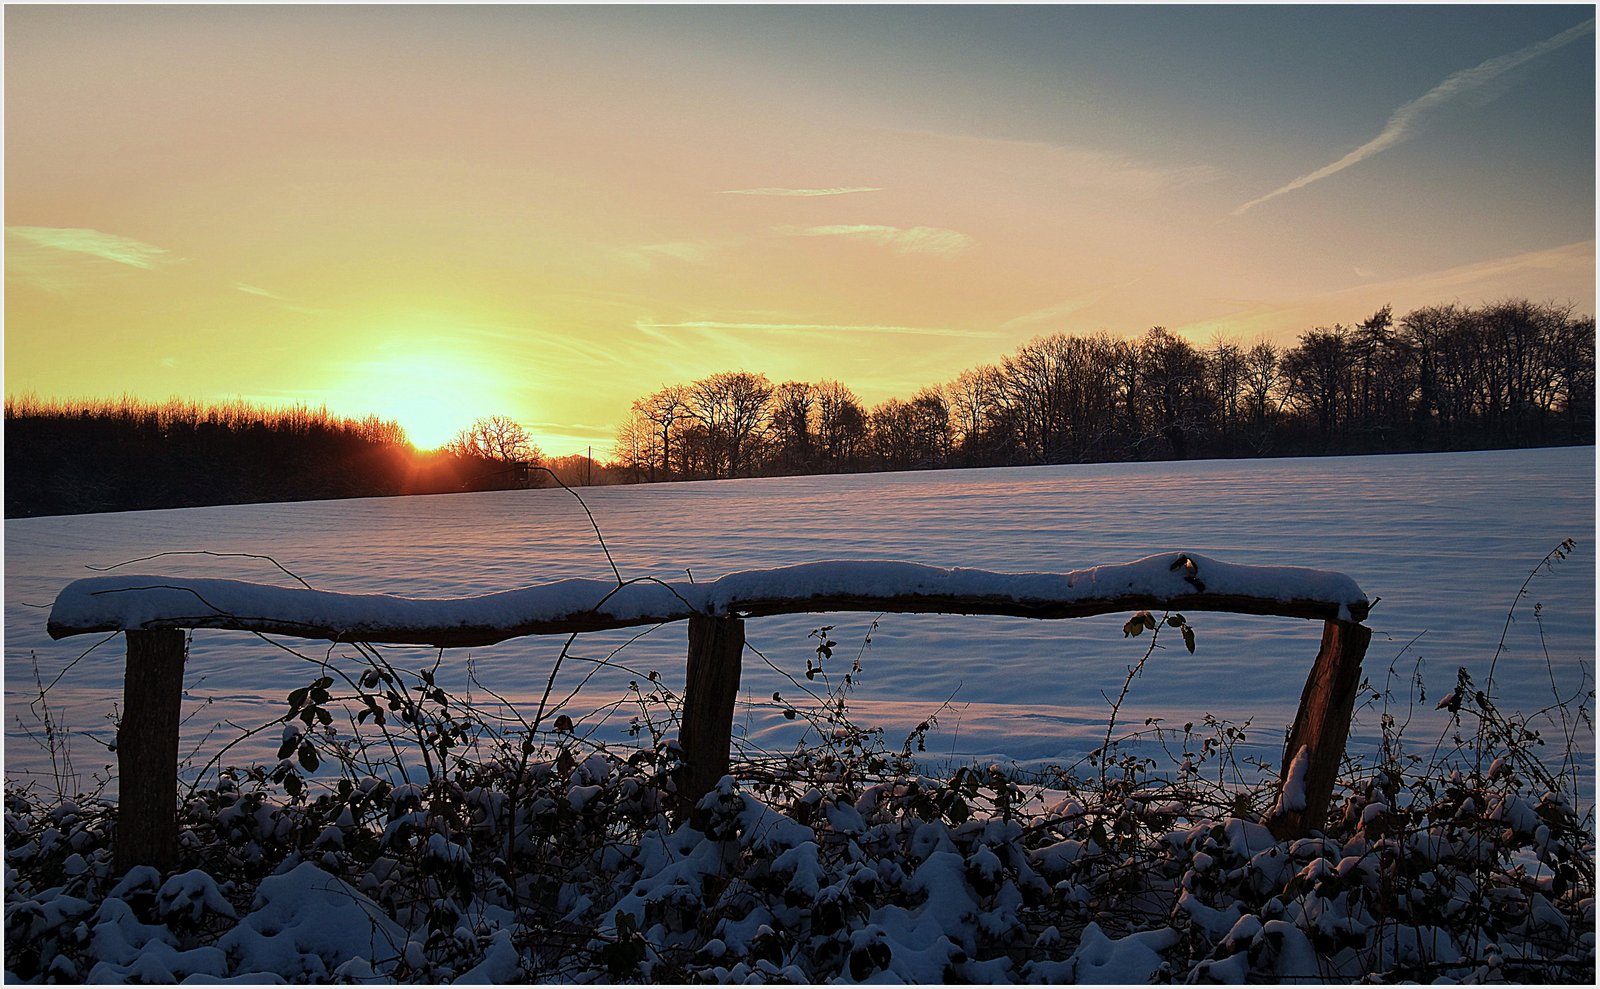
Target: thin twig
202, 552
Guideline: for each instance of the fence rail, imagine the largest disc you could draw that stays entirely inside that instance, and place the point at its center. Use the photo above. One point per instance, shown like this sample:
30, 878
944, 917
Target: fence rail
153, 611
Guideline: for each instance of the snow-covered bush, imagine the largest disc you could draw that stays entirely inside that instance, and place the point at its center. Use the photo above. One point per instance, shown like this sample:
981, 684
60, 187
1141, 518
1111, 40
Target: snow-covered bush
561, 864
439, 842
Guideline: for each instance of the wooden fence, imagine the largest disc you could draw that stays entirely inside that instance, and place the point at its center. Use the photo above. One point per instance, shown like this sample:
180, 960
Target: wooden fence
154, 611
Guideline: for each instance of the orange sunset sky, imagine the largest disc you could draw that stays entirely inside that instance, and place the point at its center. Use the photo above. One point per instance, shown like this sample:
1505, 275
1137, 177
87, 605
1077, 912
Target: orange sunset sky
436, 213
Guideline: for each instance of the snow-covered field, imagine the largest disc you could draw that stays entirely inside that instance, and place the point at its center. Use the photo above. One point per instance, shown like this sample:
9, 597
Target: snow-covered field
1444, 540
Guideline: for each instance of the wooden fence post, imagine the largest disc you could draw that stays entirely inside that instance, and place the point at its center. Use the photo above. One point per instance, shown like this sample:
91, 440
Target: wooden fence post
147, 750
1322, 726
711, 687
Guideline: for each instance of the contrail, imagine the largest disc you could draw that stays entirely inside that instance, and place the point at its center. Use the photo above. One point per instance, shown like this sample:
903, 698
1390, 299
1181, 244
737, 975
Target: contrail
1406, 119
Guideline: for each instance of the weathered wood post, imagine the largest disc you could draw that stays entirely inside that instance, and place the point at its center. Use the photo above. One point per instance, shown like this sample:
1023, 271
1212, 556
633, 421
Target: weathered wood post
711, 687
147, 750
1322, 726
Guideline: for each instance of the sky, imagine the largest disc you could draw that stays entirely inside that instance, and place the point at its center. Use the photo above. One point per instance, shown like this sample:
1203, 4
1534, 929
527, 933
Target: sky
439, 213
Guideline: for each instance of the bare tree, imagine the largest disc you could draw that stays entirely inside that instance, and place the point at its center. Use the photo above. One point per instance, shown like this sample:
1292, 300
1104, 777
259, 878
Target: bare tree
637, 446
1321, 371
1172, 375
732, 406
496, 438
1225, 369
841, 425
794, 440
891, 435
664, 409
1572, 358
930, 422
1263, 380
1035, 384
975, 399
1430, 332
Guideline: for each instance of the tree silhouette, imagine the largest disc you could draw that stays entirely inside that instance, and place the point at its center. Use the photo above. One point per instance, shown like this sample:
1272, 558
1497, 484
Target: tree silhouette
841, 426
732, 408
664, 410
1511, 373
793, 435
497, 438
1506, 374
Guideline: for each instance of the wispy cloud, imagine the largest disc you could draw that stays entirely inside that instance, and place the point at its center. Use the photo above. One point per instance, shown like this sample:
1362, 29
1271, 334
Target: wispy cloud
600, 434
254, 290
687, 251
906, 240
925, 331
283, 301
1538, 274
528, 350
1060, 165
52, 257
81, 240
772, 191
1061, 310
1405, 121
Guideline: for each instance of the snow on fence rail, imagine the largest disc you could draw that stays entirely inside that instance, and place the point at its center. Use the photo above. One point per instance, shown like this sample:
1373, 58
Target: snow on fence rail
153, 611
1176, 580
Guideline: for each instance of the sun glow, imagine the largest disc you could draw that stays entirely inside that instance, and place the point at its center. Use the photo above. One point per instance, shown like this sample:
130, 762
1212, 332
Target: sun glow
429, 421
432, 394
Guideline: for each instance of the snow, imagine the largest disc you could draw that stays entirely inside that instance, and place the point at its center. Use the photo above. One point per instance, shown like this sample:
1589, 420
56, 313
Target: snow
1130, 960
135, 601
193, 893
1444, 539
742, 891
1293, 795
306, 921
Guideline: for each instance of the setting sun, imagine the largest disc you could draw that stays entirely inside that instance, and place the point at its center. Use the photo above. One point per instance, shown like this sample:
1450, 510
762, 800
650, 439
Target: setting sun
417, 369
431, 396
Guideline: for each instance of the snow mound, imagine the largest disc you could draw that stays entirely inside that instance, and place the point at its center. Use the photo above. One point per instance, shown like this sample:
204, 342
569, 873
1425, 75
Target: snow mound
307, 923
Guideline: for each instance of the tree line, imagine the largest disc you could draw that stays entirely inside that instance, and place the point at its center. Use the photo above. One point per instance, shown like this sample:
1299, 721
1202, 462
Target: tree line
1508, 374
66, 458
